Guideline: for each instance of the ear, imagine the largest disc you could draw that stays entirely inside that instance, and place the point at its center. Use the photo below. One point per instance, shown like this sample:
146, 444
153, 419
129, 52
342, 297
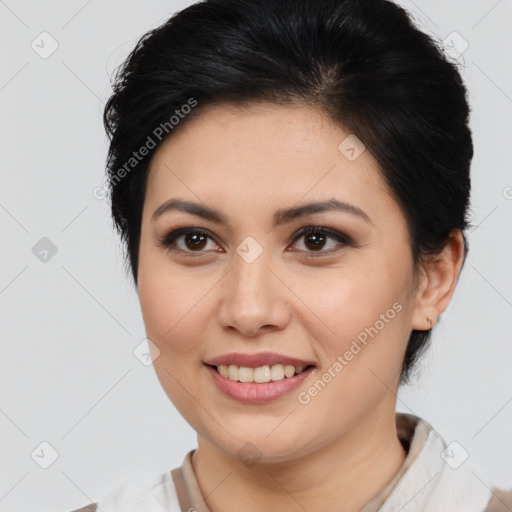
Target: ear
437, 282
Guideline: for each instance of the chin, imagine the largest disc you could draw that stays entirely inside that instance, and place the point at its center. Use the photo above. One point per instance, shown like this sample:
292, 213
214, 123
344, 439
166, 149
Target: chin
253, 444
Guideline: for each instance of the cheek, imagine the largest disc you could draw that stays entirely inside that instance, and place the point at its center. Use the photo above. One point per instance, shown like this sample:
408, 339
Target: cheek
173, 309
172, 302
361, 316
360, 339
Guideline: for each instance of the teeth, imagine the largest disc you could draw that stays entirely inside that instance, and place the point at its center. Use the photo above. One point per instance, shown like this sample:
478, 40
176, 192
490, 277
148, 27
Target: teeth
289, 371
245, 374
261, 374
233, 372
277, 372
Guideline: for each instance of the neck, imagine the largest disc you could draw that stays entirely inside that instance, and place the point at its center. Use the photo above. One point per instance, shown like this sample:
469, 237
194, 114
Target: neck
343, 475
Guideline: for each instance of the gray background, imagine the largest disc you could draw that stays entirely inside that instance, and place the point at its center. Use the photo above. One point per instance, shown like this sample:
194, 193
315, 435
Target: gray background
69, 325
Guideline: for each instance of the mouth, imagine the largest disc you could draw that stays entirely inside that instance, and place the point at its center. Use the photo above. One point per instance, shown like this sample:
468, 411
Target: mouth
258, 378
261, 374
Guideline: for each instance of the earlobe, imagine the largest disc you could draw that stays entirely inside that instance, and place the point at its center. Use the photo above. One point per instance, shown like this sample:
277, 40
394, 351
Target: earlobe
425, 318
437, 282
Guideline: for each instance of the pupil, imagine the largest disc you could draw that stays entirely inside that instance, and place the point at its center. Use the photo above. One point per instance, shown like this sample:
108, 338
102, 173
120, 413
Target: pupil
319, 241
197, 240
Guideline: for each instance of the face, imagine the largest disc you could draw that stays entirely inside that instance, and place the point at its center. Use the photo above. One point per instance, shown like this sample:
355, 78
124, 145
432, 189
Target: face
246, 276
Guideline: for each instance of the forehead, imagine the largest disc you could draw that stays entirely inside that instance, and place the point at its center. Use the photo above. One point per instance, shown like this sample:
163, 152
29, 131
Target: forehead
264, 153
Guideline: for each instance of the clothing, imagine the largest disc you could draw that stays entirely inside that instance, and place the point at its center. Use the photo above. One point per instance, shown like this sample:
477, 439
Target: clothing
433, 478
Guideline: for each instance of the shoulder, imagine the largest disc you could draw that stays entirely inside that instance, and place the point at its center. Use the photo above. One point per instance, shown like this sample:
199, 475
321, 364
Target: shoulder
152, 494
501, 501
89, 508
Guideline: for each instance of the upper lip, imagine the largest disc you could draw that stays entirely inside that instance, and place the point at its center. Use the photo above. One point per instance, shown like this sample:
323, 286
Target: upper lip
257, 360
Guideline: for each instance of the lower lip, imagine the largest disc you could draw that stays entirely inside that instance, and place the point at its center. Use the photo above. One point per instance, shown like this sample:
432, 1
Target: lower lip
253, 393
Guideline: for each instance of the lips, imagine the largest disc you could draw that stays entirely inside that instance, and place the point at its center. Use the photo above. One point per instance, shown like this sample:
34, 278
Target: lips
260, 390
255, 393
257, 360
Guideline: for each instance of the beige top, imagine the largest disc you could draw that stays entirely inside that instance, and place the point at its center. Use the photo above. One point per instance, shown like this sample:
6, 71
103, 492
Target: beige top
434, 477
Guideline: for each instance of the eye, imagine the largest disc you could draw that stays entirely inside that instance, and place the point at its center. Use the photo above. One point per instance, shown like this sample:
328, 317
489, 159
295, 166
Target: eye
316, 238
187, 241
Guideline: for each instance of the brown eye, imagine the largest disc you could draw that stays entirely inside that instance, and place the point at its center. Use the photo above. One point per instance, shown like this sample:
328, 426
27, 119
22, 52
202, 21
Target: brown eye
315, 241
316, 238
188, 241
195, 241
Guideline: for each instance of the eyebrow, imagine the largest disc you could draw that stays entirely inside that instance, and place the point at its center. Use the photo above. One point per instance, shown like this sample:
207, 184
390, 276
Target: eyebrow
282, 216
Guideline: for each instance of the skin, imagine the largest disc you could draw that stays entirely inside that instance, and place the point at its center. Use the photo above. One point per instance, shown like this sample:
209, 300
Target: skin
340, 449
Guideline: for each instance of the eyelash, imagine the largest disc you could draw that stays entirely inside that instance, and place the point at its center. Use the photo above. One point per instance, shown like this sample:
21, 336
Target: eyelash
167, 241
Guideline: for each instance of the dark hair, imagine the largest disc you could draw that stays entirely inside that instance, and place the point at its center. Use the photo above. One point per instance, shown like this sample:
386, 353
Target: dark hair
363, 62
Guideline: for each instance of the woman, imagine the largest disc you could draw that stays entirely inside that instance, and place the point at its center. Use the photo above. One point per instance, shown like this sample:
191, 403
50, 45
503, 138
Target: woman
291, 180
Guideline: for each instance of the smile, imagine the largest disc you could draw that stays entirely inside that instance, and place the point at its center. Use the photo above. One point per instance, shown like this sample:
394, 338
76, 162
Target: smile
252, 392
259, 375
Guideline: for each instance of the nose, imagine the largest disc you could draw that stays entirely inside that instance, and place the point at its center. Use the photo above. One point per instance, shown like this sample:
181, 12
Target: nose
254, 298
